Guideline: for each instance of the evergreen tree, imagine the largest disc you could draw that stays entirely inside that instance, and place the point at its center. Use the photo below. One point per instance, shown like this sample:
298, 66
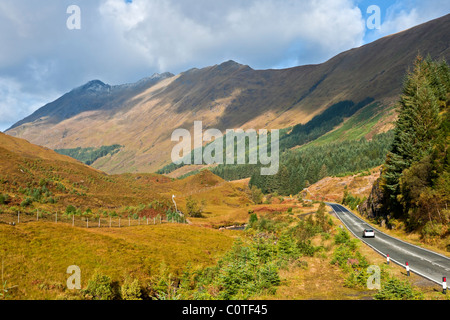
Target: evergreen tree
415, 128
420, 143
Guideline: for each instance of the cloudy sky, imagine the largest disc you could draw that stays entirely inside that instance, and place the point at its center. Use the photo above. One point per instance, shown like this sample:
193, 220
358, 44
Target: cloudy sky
122, 41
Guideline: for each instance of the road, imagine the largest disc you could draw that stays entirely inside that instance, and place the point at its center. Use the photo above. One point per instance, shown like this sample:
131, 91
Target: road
423, 262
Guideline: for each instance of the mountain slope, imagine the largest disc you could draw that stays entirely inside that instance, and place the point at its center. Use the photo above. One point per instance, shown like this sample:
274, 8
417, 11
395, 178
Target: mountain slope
225, 96
34, 177
35, 180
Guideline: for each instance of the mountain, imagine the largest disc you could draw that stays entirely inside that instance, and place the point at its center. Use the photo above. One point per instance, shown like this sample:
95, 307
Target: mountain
142, 116
94, 95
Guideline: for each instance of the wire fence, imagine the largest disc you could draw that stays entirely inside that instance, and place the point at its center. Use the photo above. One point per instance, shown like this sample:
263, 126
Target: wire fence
83, 221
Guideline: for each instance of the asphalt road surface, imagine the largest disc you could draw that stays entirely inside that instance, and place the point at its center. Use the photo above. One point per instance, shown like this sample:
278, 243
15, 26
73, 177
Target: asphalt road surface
423, 262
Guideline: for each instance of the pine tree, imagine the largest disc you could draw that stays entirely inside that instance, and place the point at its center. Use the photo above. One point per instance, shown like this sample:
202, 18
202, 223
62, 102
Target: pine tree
415, 128
418, 132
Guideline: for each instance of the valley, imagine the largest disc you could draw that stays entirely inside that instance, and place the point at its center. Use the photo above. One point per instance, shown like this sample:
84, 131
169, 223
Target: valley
142, 116
158, 256
88, 181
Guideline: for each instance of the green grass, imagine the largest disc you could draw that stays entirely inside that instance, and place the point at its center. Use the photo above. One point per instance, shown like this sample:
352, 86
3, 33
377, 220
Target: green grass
90, 155
356, 127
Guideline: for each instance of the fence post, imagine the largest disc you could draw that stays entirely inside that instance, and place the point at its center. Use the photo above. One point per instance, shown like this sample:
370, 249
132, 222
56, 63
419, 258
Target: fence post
37, 215
56, 221
129, 221
119, 222
147, 220
110, 221
73, 220
18, 217
87, 222
444, 285
99, 222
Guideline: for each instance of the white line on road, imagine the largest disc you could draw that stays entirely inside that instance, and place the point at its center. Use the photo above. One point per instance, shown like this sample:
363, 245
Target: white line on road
390, 244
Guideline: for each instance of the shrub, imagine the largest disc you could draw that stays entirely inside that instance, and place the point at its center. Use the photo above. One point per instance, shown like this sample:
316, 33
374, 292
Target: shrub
71, 210
192, 208
350, 200
342, 237
306, 248
27, 202
287, 247
256, 195
253, 219
431, 229
242, 274
395, 289
269, 225
100, 287
131, 290
4, 198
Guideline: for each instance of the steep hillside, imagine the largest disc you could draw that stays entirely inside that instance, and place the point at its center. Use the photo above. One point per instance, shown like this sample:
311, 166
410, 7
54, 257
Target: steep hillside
35, 177
333, 188
35, 180
141, 117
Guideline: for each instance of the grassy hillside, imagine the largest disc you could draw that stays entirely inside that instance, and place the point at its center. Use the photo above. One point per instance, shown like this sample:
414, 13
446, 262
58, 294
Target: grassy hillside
368, 122
276, 257
174, 261
36, 255
90, 155
37, 181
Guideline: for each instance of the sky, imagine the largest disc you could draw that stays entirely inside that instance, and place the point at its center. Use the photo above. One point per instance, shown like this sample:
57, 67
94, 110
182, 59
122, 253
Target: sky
47, 48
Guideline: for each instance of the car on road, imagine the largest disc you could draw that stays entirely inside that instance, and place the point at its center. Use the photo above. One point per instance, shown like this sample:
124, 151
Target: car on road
368, 233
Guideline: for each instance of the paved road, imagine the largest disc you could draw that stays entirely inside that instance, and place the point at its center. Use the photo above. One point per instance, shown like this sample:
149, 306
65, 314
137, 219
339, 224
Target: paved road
423, 262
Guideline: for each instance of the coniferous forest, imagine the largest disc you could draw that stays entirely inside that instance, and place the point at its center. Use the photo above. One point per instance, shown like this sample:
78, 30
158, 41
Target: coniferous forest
307, 165
415, 182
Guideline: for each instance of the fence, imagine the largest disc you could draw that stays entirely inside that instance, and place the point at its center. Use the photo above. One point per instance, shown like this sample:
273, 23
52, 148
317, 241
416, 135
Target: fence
82, 221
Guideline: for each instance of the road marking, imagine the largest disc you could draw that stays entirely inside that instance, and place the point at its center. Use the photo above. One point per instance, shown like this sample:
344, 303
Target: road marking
350, 218
405, 251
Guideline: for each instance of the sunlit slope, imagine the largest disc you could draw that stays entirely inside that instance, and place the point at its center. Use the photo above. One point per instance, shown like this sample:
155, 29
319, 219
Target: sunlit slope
142, 117
36, 255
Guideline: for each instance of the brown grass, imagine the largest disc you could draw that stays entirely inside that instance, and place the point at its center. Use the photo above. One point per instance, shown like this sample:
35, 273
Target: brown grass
36, 255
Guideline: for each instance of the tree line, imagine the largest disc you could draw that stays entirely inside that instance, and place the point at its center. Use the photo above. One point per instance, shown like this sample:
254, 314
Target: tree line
299, 134
416, 178
300, 168
90, 155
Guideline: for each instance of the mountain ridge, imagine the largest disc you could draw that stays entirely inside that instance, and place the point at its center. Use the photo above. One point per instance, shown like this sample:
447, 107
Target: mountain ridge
228, 95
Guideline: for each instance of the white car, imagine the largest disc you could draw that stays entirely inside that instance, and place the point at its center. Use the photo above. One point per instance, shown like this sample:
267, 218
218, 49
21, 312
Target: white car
368, 233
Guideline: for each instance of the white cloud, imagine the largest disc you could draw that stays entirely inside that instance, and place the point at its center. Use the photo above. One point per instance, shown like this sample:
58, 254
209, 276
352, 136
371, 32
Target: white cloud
16, 103
171, 34
402, 15
120, 42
